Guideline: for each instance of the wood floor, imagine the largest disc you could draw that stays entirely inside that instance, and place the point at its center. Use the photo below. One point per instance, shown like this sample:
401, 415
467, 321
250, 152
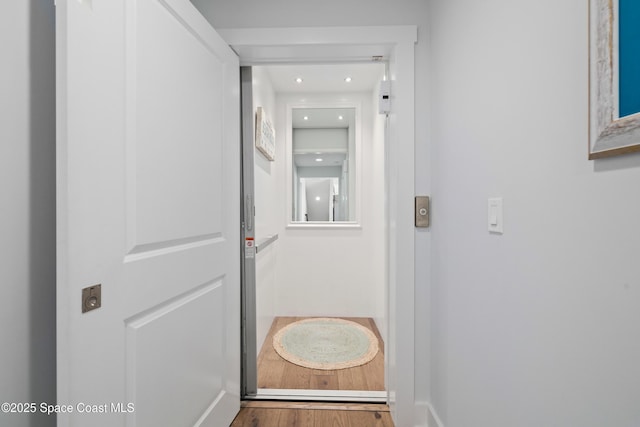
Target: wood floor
300, 414
275, 372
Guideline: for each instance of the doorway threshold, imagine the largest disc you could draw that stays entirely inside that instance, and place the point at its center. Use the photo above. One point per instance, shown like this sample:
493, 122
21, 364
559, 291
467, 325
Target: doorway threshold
356, 396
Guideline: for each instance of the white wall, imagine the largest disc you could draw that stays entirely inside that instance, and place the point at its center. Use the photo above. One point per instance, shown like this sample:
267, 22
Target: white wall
319, 172
538, 326
335, 272
27, 216
266, 191
321, 139
352, 169
379, 254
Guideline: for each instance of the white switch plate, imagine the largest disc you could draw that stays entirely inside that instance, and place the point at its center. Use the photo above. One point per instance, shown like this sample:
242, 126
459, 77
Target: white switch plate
494, 218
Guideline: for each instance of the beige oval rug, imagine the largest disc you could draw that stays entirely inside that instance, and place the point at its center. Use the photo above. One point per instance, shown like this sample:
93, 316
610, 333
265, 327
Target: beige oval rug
326, 343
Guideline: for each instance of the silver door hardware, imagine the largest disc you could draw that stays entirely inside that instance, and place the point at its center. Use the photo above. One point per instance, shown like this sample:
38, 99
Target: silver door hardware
262, 244
91, 298
422, 211
248, 219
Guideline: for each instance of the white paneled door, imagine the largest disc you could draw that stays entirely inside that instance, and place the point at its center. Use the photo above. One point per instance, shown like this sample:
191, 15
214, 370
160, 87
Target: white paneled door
148, 208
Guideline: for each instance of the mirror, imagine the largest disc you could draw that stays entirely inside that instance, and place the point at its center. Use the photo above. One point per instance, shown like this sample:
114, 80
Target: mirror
323, 156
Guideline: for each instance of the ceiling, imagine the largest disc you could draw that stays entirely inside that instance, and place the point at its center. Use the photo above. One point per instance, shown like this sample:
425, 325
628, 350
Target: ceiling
328, 159
322, 118
325, 77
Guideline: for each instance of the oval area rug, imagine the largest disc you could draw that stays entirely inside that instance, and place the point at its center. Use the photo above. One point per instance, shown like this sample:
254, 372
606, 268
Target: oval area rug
326, 343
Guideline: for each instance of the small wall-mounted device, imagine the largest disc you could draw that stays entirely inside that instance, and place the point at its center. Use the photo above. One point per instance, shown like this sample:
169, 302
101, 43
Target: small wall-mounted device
495, 215
384, 98
422, 211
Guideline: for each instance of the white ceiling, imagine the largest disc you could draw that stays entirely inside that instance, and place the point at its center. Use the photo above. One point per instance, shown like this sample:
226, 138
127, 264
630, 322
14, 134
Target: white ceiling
328, 159
322, 118
325, 77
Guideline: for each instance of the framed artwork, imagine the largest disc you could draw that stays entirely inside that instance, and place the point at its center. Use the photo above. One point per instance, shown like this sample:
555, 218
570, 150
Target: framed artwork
614, 77
265, 135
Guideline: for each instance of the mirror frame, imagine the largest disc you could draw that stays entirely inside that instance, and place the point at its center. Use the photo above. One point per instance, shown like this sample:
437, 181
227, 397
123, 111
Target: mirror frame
289, 162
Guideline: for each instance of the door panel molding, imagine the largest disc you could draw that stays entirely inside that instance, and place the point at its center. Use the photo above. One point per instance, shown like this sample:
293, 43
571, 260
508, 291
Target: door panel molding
148, 193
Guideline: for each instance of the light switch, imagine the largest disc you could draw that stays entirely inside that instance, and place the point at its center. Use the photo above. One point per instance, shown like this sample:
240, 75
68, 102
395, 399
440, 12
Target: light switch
495, 215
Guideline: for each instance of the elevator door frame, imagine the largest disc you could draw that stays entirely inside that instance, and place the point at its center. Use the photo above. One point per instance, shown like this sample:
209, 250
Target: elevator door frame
264, 46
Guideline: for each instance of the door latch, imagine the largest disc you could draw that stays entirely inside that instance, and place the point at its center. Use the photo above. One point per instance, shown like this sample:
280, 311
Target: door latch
91, 298
422, 211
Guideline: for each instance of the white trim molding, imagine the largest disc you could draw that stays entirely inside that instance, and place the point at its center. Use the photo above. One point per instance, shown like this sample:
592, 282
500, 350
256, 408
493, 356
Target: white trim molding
433, 420
396, 44
257, 46
355, 215
320, 395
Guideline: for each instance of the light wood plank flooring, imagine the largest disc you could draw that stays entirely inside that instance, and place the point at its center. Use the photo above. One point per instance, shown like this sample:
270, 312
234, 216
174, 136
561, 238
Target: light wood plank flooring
275, 372
300, 414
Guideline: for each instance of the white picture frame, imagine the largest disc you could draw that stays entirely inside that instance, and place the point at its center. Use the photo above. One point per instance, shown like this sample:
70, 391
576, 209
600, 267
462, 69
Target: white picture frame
609, 134
265, 135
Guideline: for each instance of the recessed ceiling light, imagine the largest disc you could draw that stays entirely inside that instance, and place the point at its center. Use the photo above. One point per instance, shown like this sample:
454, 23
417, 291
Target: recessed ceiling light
299, 80
340, 117
305, 118
318, 159
347, 79
318, 198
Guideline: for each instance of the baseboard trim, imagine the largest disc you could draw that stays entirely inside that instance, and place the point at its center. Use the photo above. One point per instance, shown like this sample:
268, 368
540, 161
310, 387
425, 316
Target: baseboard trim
421, 415
361, 407
320, 395
433, 418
